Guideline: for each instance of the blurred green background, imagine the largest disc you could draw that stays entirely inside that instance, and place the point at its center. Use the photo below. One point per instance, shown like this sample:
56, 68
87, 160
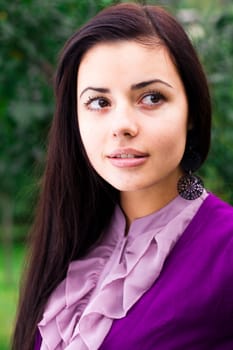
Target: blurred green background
31, 34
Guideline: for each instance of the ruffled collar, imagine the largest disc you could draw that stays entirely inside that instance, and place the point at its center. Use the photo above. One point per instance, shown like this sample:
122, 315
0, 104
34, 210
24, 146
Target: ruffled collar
105, 284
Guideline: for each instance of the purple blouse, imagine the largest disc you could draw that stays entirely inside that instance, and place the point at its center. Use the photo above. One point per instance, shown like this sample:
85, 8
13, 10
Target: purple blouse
162, 308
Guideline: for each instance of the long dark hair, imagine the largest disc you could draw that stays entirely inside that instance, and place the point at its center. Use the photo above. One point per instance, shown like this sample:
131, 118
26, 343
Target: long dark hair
75, 203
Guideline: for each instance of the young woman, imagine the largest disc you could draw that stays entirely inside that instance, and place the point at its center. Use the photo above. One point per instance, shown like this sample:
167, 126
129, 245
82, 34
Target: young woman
129, 251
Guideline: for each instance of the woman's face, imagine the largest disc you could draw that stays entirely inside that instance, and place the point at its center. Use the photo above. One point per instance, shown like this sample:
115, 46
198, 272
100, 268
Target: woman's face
132, 115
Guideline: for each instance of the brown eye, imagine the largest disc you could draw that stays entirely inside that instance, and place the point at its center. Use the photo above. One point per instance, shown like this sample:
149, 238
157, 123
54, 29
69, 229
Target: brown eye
152, 99
102, 102
97, 103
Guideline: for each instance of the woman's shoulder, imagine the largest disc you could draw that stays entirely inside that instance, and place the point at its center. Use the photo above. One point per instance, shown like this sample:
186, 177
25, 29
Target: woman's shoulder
211, 227
216, 213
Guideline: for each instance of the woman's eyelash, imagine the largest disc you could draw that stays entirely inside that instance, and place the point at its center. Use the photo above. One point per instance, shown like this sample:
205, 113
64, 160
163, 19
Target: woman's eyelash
91, 99
157, 95
153, 92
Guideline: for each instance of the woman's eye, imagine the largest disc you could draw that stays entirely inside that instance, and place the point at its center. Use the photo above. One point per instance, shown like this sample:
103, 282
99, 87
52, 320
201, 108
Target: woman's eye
97, 103
152, 99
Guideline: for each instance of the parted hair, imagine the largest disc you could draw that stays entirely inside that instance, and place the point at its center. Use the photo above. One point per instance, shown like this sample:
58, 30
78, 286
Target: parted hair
75, 203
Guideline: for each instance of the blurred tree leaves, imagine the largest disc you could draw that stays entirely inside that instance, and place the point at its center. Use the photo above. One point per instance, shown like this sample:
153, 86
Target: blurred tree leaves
32, 33
216, 50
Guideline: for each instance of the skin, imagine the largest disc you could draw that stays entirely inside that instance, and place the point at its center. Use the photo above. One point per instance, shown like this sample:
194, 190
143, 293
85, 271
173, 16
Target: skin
132, 103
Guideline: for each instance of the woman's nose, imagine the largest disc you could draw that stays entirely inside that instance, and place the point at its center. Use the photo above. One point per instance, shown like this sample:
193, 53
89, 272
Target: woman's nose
124, 123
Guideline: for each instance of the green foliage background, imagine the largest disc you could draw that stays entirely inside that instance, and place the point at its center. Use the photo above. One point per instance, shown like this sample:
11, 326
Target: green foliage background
32, 33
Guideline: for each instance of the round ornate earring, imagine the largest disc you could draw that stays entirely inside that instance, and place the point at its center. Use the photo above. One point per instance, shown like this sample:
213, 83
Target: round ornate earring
190, 186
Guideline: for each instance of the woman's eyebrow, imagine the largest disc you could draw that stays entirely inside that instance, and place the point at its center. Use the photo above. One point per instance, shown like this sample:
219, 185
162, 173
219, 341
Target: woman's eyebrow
137, 86
146, 83
98, 89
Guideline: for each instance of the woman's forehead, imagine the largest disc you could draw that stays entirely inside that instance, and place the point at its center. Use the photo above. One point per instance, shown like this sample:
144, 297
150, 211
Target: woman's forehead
127, 63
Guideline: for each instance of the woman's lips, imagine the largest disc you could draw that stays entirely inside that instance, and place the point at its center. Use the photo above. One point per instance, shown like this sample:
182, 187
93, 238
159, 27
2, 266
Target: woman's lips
127, 158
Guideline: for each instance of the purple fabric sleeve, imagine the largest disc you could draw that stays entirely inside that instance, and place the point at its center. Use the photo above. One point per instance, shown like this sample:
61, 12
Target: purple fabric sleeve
37, 341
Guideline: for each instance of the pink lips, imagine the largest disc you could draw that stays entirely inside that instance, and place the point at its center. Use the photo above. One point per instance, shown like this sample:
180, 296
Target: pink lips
127, 157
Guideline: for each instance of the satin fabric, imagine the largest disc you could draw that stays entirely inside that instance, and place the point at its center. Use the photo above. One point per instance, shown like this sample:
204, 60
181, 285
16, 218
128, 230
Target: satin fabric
105, 285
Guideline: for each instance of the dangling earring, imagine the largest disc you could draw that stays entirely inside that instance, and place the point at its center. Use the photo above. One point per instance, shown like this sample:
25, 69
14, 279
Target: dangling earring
190, 186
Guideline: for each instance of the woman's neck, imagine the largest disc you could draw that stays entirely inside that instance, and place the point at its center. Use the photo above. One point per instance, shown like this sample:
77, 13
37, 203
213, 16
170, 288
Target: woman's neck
141, 203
